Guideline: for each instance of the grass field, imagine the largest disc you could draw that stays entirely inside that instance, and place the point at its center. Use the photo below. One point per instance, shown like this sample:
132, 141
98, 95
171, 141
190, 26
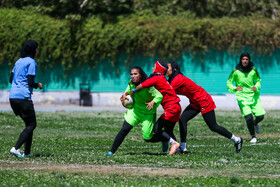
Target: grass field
69, 149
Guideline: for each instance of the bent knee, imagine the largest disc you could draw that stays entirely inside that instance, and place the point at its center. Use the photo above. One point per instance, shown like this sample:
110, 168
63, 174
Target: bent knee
147, 138
260, 118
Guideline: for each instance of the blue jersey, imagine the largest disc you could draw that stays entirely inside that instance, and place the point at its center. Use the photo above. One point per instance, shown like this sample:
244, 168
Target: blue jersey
23, 67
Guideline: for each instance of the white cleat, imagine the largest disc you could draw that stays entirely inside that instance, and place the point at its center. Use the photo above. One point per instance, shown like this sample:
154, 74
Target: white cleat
16, 152
253, 140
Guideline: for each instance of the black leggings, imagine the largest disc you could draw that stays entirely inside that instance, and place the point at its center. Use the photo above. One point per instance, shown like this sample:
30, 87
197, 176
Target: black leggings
120, 136
25, 109
126, 128
163, 130
27, 134
210, 119
251, 123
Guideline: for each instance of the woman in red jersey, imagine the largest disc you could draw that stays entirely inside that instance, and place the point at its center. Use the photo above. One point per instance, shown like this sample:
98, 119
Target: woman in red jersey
200, 101
170, 104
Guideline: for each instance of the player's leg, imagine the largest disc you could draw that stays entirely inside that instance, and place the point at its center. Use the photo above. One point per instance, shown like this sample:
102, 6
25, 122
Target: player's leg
131, 120
246, 111
158, 129
170, 116
120, 137
27, 144
147, 122
188, 114
169, 128
259, 112
210, 119
250, 125
27, 113
15, 105
150, 136
257, 121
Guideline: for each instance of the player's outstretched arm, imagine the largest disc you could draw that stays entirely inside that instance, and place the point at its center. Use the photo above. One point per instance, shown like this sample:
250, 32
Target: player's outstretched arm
139, 87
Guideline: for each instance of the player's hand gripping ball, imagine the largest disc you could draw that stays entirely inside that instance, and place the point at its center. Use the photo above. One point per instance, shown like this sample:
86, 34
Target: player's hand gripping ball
129, 102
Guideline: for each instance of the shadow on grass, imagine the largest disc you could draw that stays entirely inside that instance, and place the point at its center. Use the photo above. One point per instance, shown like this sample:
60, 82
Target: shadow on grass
148, 153
43, 155
160, 154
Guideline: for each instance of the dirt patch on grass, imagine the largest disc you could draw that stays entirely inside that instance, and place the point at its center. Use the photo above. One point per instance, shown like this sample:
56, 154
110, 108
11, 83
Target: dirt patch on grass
123, 170
105, 169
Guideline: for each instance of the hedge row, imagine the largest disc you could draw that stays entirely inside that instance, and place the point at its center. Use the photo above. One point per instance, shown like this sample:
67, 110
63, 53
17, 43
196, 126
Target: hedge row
144, 33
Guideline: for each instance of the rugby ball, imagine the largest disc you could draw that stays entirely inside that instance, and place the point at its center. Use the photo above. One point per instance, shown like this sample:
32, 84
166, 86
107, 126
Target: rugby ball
129, 102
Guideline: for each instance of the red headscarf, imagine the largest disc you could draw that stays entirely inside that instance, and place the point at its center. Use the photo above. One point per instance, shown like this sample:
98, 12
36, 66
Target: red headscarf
159, 68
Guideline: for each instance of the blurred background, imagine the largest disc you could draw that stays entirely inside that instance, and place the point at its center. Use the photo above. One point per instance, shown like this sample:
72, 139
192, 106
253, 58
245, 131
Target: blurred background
88, 47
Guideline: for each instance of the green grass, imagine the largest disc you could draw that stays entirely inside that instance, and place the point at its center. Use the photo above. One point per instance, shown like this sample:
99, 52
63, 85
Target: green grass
69, 149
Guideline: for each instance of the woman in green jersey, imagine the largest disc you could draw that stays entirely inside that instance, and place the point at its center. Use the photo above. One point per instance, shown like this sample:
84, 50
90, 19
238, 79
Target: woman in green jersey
144, 109
247, 91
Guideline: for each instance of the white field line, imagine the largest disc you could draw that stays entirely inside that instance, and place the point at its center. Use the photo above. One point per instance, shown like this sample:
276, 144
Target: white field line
226, 145
201, 145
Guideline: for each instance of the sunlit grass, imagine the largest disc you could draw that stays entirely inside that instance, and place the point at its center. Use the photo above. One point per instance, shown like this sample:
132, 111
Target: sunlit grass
82, 138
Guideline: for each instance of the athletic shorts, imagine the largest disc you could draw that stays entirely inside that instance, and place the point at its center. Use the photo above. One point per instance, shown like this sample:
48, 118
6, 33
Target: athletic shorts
172, 113
22, 107
147, 122
255, 108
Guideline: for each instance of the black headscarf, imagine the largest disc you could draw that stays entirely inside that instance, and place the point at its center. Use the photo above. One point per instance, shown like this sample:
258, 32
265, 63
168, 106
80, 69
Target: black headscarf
142, 73
248, 68
29, 49
175, 71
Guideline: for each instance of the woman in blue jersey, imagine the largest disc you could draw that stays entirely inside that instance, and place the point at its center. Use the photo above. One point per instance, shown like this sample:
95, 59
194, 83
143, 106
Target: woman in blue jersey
22, 80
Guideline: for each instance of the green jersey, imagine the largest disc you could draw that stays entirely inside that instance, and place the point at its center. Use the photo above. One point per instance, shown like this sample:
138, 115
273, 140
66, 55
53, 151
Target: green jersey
246, 80
144, 96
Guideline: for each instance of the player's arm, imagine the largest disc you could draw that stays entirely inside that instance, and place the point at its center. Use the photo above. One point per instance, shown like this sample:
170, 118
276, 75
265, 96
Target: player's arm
257, 80
147, 83
31, 73
32, 84
11, 77
156, 95
176, 83
231, 88
126, 92
139, 87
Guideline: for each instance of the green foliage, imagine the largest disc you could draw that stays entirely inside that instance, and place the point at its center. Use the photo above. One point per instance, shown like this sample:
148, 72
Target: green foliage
53, 36
73, 41
109, 8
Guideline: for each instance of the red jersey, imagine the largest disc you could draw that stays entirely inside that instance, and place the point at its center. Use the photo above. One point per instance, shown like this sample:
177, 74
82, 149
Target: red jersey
199, 98
163, 86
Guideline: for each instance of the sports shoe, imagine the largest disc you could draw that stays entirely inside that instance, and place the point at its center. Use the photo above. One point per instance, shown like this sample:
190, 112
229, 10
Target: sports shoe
164, 146
173, 148
27, 156
185, 151
181, 151
238, 146
16, 152
253, 140
257, 129
108, 154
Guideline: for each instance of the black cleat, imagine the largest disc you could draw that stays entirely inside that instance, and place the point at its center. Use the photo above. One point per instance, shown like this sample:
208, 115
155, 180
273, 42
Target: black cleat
181, 151
238, 146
